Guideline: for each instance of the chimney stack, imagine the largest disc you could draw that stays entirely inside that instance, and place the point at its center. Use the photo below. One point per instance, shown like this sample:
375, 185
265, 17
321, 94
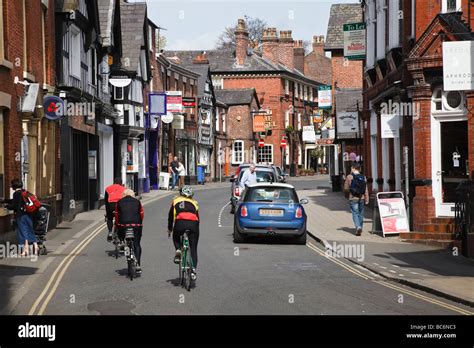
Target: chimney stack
298, 53
286, 55
270, 45
241, 42
318, 44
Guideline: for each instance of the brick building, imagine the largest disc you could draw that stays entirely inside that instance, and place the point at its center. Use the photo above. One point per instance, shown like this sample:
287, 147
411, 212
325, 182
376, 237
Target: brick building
347, 83
432, 123
29, 143
286, 95
316, 65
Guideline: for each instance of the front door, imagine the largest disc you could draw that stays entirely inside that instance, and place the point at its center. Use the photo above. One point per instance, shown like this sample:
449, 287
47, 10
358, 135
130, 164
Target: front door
453, 164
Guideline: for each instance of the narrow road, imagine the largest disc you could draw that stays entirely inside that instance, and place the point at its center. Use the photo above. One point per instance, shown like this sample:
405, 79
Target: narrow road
264, 276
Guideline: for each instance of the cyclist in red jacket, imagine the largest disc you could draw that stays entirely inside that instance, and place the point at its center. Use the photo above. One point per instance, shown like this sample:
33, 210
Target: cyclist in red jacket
113, 194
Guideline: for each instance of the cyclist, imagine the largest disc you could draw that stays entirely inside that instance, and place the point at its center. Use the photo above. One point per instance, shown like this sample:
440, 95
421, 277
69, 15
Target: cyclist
113, 194
129, 213
184, 215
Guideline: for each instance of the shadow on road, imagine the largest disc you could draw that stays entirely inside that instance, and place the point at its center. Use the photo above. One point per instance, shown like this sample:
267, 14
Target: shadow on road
7, 282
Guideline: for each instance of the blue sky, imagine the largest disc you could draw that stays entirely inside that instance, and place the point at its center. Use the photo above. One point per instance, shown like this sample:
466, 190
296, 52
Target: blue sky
196, 24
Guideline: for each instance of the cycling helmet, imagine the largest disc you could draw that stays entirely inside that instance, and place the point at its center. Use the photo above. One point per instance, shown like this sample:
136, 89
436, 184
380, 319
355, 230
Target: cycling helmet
186, 191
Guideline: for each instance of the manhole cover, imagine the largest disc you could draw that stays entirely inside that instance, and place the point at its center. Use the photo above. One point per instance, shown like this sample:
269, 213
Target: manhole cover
112, 307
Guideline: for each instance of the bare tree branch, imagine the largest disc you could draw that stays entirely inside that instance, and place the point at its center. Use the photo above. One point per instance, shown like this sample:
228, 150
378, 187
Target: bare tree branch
255, 28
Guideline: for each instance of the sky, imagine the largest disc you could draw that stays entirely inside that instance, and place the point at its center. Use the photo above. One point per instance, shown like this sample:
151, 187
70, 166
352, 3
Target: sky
197, 24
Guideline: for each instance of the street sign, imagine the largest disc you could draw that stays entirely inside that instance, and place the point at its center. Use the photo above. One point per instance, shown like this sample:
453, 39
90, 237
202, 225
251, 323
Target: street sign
261, 143
283, 143
354, 41
174, 101
168, 118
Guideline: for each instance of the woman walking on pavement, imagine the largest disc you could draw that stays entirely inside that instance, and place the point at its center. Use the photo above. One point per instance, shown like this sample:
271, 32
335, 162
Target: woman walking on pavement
24, 221
182, 174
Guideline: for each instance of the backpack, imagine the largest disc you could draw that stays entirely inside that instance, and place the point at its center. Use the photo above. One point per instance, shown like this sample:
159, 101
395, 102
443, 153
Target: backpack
358, 185
31, 204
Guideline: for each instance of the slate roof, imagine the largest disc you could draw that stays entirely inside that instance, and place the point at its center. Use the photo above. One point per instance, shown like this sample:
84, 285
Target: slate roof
341, 14
231, 97
346, 99
106, 18
223, 61
133, 18
203, 71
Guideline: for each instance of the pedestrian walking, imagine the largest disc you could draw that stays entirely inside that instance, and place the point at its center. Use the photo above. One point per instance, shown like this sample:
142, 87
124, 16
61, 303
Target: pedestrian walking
174, 165
355, 188
182, 174
23, 219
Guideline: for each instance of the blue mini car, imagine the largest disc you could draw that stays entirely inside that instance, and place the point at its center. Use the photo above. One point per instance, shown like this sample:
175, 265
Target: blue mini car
270, 209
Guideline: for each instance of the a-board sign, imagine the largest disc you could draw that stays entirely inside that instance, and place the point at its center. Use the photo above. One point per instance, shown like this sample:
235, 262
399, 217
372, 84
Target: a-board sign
393, 213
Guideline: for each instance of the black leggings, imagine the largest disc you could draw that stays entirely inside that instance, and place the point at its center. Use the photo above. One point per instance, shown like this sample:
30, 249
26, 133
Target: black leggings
109, 210
137, 248
179, 228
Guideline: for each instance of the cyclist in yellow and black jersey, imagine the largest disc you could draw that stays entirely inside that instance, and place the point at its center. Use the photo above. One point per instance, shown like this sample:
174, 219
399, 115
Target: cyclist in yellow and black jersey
184, 216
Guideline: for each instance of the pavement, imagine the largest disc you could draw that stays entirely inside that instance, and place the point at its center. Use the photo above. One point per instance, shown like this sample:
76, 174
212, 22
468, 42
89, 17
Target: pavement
439, 271
264, 276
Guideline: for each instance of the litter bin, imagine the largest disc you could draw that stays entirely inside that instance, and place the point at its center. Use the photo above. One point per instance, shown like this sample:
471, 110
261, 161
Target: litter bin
164, 181
201, 174
336, 183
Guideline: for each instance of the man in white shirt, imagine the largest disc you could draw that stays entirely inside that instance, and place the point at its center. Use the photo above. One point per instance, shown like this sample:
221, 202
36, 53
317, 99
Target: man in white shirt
249, 177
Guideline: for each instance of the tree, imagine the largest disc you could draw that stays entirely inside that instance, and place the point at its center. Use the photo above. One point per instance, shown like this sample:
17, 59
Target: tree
255, 28
161, 42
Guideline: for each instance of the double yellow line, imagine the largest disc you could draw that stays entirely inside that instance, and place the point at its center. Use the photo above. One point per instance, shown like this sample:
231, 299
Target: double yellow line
388, 285
60, 270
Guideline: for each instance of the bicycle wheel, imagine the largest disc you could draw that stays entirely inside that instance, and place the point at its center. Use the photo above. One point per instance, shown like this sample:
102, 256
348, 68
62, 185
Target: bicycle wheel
188, 271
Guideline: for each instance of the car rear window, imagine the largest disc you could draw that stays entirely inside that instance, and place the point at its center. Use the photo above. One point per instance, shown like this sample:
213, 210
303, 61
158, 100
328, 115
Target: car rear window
271, 195
262, 175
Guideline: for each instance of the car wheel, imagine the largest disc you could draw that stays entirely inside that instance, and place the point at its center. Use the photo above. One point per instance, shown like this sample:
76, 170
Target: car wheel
238, 238
301, 240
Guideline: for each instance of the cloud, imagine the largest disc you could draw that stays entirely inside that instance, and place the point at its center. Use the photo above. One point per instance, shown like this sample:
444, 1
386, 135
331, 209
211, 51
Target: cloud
206, 41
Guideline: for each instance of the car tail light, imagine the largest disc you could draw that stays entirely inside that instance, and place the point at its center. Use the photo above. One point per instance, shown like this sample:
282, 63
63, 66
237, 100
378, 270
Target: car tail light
237, 192
243, 211
299, 213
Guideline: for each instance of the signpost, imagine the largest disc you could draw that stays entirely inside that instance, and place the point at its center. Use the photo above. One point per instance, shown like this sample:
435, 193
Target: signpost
393, 214
354, 41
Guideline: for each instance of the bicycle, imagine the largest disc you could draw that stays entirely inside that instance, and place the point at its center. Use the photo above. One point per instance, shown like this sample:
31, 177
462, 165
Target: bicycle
130, 252
115, 239
186, 263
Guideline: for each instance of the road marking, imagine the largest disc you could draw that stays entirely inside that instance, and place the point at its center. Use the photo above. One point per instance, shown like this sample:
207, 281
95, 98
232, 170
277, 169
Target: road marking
394, 287
340, 263
219, 218
69, 258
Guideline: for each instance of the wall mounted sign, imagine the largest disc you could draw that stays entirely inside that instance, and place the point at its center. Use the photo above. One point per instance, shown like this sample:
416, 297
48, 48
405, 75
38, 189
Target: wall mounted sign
390, 127
325, 97
168, 118
174, 101
458, 69
354, 41
259, 123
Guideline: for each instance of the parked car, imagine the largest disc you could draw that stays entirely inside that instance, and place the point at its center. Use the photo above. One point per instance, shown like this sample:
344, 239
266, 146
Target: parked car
264, 174
281, 174
270, 209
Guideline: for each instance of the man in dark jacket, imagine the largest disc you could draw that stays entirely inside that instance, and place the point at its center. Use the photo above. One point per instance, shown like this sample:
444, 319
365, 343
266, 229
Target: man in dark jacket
129, 213
174, 172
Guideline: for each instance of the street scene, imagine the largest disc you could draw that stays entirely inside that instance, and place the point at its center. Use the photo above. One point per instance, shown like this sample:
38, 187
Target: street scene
237, 158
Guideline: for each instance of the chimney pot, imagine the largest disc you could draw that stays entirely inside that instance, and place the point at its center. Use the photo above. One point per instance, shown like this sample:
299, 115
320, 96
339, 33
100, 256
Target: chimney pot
241, 42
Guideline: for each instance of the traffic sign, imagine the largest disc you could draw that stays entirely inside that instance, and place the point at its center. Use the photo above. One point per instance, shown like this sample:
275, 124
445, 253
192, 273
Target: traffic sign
261, 143
283, 143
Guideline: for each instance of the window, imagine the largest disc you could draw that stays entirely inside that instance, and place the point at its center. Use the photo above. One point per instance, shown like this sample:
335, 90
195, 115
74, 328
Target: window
296, 89
451, 6
217, 120
75, 52
92, 66
287, 87
265, 154
184, 89
150, 37
299, 121
287, 154
300, 155
119, 93
311, 99
176, 84
447, 101
305, 90
373, 149
218, 83
223, 122
238, 152
287, 118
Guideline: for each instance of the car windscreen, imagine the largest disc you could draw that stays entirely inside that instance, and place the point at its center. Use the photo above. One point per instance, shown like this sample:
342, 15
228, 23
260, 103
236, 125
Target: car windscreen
262, 175
271, 195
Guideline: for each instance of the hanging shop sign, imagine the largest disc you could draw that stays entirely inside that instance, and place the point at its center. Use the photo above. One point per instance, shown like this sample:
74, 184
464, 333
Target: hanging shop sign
309, 135
157, 104
390, 127
259, 123
178, 122
168, 118
189, 102
347, 124
325, 97
354, 41
174, 101
458, 70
